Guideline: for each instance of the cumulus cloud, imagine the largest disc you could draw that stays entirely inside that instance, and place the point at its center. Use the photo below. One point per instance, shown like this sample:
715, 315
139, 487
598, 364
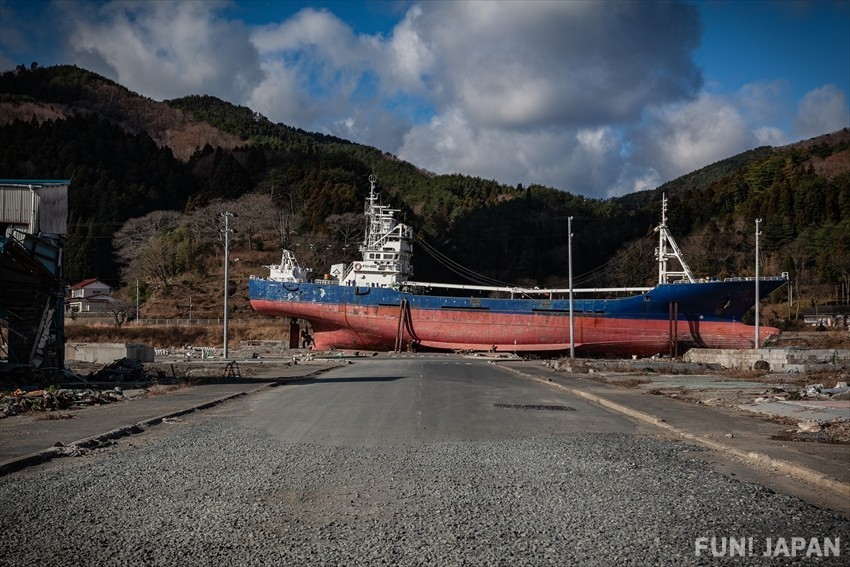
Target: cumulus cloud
538, 92
598, 98
314, 65
678, 139
822, 111
565, 158
523, 65
770, 136
762, 101
164, 49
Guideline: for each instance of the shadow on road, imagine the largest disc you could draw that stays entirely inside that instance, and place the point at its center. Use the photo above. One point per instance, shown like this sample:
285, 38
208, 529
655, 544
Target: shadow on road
358, 379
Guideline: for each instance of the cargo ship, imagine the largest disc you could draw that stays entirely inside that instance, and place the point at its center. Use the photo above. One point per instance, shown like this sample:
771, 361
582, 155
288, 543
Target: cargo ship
373, 304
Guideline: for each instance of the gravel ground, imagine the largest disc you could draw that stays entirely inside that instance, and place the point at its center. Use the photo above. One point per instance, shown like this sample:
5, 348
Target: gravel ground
206, 492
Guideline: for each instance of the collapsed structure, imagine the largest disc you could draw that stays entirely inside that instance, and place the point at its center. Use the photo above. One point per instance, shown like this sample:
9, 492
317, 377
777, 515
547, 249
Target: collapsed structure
33, 229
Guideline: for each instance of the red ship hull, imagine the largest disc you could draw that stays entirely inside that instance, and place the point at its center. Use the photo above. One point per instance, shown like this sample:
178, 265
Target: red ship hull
377, 327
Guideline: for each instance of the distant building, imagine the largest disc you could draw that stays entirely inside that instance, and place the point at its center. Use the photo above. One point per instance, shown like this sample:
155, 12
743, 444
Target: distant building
829, 316
88, 296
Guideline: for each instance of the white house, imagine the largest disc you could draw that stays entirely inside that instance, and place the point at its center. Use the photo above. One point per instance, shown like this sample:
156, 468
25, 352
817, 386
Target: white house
89, 295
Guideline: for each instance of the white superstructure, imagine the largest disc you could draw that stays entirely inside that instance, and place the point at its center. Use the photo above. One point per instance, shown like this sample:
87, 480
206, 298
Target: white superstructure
288, 270
387, 249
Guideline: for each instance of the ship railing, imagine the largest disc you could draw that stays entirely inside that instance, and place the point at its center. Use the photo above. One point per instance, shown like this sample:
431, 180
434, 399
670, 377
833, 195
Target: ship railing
764, 279
529, 291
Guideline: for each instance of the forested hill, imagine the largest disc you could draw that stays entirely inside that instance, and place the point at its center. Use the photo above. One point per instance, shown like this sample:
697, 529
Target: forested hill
128, 156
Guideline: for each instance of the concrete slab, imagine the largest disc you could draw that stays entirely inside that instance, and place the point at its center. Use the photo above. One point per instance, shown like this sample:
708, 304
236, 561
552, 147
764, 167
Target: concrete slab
808, 410
701, 383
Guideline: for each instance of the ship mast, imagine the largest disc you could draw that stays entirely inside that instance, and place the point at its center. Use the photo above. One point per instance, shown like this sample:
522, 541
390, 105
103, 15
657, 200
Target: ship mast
668, 250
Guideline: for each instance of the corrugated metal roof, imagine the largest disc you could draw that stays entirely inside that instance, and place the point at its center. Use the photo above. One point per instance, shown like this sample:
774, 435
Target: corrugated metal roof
28, 182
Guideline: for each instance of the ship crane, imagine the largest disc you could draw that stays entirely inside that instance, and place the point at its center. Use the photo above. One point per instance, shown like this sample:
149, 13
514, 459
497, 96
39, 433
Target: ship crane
669, 250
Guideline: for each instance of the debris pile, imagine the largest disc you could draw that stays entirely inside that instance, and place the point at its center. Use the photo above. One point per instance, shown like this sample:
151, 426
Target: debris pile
811, 392
53, 398
102, 386
841, 391
833, 431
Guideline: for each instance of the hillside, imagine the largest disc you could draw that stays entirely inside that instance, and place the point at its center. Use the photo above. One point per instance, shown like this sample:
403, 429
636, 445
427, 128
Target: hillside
129, 158
50, 93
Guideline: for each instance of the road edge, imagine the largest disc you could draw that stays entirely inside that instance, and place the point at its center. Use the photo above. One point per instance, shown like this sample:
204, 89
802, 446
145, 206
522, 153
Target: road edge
75, 448
757, 460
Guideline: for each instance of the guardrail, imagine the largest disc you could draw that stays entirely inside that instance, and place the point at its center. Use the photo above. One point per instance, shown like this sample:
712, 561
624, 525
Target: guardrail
184, 322
154, 322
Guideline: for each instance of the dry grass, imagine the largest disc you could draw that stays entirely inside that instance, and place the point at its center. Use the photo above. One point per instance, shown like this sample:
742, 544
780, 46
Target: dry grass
160, 389
812, 339
168, 336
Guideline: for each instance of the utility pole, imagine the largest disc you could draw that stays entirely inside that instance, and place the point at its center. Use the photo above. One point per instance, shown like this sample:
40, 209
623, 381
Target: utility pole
137, 301
227, 231
570, 262
757, 283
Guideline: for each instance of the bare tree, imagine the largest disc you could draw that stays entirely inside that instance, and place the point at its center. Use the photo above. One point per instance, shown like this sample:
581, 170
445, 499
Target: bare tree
130, 239
144, 248
801, 257
120, 310
347, 225
158, 260
205, 223
632, 264
255, 213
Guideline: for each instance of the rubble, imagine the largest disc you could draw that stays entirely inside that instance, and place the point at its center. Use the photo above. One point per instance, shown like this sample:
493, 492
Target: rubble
815, 400
102, 386
55, 399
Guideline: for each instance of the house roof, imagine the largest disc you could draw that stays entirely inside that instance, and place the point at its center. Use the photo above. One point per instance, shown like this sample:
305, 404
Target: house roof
87, 282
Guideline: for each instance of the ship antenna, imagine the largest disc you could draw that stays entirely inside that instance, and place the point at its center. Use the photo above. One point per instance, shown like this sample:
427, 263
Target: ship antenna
373, 180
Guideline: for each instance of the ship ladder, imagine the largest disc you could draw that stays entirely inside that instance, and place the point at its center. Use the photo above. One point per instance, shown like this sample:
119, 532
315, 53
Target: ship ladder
232, 370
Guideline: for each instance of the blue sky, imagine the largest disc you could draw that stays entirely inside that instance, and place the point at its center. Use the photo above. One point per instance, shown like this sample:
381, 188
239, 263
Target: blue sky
599, 98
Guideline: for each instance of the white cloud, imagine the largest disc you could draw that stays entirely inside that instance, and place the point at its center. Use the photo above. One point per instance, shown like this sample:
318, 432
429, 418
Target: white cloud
408, 57
822, 111
563, 158
520, 92
280, 97
598, 98
770, 136
524, 65
163, 49
316, 70
322, 39
681, 138
534, 92
762, 101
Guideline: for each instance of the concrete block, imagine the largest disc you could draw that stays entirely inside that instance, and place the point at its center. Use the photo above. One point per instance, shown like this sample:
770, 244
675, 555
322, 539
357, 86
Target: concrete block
106, 353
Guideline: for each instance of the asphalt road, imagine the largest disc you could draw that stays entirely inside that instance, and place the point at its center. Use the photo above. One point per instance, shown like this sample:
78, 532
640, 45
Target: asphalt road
419, 461
421, 400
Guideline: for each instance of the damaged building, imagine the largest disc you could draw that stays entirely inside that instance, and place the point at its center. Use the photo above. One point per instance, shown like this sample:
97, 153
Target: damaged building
33, 229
